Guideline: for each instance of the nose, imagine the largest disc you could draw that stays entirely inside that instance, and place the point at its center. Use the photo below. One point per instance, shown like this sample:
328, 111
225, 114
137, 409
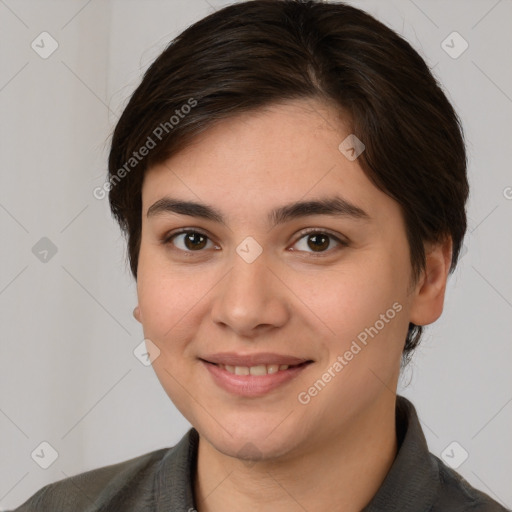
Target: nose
250, 299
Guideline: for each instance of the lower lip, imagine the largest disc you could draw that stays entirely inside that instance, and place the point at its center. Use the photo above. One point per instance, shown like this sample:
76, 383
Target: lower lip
252, 385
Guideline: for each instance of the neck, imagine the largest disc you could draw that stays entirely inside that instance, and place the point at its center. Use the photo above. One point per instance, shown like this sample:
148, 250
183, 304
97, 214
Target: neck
344, 469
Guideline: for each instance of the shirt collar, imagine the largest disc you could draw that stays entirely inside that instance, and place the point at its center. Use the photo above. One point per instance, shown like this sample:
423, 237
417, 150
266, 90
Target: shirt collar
174, 489
410, 485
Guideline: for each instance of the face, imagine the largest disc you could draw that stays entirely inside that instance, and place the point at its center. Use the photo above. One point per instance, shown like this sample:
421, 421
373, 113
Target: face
247, 281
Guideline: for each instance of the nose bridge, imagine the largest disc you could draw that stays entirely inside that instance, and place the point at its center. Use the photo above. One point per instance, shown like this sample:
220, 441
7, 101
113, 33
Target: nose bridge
248, 264
248, 297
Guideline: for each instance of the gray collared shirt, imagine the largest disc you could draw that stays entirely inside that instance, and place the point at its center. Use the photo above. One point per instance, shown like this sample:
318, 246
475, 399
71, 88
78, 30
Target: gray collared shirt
162, 481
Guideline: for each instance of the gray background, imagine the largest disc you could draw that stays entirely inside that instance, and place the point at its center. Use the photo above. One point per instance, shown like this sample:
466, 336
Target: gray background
68, 375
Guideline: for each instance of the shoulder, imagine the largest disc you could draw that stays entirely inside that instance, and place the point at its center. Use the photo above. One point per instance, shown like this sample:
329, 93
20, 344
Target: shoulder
130, 481
456, 494
418, 480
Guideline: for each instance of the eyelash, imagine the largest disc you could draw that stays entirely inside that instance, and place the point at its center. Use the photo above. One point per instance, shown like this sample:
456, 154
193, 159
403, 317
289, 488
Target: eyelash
167, 239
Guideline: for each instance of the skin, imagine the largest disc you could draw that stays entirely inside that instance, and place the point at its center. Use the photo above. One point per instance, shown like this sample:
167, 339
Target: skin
290, 300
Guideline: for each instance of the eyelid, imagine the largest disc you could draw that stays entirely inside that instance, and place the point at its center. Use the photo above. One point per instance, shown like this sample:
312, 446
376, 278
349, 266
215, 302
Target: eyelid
341, 241
307, 231
169, 236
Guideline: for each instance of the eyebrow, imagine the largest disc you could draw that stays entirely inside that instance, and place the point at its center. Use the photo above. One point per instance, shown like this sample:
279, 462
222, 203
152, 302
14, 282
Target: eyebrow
336, 206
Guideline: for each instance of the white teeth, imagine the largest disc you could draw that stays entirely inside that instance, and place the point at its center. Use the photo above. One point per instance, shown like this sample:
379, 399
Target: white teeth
260, 369
272, 368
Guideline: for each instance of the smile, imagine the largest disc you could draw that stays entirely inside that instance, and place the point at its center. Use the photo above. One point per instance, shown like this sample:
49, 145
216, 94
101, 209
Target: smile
261, 369
253, 381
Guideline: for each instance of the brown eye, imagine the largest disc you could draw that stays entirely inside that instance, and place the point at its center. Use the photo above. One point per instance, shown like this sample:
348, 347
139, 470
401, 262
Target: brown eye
194, 240
189, 241
318, 242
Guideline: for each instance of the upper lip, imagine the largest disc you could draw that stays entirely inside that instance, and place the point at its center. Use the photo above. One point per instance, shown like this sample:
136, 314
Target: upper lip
234, 359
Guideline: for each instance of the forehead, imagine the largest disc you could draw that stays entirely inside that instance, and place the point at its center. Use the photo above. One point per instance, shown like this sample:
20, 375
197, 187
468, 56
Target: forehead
278, 154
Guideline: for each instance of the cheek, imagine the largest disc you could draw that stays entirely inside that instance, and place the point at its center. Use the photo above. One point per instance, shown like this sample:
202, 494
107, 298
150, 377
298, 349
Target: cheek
358, 294
365, 301
170, 303
166, 293
166, 299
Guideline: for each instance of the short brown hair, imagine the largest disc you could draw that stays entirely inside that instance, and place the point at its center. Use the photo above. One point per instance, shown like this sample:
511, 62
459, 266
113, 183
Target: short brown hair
256, 53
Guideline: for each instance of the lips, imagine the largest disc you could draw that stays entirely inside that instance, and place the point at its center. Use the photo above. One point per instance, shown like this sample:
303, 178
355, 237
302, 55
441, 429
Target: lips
250, 381
253, 375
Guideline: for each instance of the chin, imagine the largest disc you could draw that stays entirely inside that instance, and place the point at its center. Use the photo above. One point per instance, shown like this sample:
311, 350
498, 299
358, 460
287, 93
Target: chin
252, 448
249, 440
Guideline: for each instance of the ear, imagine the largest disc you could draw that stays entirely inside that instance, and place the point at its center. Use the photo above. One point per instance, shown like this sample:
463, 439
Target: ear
428, 300
137, 315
